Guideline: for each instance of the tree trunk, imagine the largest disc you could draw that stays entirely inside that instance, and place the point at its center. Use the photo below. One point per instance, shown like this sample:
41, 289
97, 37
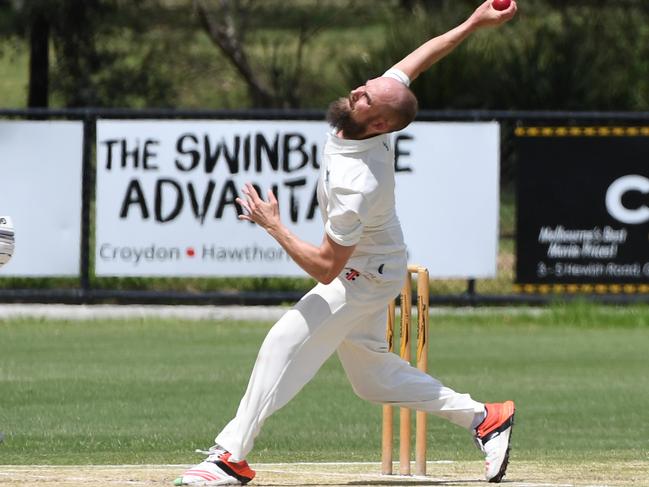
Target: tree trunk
38, 62
222, 31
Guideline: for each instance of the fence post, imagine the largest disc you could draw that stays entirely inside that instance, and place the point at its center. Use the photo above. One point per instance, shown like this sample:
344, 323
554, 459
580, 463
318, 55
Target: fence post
87, 194
470, 287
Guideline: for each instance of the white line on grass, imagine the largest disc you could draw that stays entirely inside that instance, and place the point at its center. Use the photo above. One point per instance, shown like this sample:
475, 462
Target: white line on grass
361, 475
410, 478
257, 465
316, 464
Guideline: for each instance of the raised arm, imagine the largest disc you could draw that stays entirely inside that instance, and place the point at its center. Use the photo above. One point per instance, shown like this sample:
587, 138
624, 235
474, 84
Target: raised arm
435, 49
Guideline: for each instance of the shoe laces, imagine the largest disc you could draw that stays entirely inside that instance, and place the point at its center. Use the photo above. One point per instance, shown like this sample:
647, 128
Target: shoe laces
478, 442
214, 450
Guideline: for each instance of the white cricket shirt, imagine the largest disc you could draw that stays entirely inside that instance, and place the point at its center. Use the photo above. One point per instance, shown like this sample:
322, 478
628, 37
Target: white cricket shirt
356, 198
357, 201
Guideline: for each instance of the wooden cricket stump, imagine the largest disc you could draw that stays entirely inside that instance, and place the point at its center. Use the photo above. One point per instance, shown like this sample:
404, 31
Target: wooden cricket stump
422, 364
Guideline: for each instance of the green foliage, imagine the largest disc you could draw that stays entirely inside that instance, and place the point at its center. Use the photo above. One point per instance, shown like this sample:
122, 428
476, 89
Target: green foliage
103, 53
582, 55
567, 56
13, 66
149, 391
106, 55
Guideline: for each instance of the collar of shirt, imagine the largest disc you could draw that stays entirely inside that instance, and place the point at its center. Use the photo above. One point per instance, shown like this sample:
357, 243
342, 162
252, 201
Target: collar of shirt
337, 145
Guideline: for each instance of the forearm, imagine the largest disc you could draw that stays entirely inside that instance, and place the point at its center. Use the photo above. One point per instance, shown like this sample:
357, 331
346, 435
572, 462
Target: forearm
434, 50
320, 263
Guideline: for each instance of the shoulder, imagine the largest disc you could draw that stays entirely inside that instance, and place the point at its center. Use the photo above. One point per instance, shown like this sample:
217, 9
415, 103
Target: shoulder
352, 174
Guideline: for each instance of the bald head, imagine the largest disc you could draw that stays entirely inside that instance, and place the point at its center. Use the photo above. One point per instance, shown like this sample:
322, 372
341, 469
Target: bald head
380, 106
400, 104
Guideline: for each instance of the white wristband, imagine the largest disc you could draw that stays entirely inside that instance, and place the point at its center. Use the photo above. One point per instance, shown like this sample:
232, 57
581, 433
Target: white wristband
397, 74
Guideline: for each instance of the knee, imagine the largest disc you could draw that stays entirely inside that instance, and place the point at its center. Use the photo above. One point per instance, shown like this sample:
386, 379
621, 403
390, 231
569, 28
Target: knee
283, 339
365, 393
368, 387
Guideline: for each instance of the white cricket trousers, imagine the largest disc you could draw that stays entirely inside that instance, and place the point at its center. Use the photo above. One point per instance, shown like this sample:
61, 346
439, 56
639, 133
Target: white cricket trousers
348, 317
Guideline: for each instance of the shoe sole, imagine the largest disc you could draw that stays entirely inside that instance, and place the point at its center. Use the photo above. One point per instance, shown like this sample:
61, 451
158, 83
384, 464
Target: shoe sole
503, 468
205, 483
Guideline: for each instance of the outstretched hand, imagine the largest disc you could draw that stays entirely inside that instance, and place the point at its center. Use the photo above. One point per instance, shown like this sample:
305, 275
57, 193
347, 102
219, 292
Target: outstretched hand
487, 16
265, 214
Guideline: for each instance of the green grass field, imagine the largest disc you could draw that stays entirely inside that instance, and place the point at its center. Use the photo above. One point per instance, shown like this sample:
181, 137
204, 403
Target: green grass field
148, 391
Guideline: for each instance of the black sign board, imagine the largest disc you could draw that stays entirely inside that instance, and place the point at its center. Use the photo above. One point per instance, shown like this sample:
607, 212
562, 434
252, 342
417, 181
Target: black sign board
583, 209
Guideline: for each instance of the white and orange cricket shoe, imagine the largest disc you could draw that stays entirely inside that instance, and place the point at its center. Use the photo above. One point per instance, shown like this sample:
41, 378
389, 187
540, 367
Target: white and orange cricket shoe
217, 469
492, 437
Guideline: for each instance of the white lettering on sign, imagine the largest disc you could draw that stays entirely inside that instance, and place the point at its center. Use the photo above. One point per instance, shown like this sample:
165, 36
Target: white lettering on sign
617, 191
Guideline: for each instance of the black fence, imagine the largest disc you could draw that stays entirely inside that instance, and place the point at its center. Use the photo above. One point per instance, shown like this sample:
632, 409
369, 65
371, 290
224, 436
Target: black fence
499, 291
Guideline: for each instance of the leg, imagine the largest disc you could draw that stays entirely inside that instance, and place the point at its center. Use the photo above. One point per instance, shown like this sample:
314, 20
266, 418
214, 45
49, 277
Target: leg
380, 376
294, 350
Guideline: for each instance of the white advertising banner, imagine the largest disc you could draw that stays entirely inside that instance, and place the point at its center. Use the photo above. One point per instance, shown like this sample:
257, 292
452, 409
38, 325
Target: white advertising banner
40, 189
166, 195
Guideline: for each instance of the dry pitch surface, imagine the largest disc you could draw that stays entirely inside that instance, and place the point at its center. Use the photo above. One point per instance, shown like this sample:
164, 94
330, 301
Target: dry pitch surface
521, 474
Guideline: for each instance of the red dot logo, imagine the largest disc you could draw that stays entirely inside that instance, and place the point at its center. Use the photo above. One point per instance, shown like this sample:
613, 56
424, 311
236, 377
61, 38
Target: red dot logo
190, 252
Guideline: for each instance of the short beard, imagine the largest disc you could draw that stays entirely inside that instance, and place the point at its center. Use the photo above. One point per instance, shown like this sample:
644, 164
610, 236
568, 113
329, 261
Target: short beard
339, 116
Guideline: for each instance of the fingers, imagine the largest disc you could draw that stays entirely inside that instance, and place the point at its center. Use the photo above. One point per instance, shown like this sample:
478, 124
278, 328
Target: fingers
271, 197
510, 11
249, 204
252, 204
253, 197
513, 8
246, 209
488, 16
250, 191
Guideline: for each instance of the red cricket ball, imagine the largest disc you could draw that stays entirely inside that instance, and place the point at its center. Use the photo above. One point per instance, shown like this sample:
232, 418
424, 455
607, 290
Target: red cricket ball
501, 4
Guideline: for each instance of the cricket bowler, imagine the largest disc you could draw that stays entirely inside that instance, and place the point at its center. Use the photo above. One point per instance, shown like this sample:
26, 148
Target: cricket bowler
360, 267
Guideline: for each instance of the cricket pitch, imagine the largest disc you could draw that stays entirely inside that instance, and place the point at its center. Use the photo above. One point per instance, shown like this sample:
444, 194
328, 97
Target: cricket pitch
520, 474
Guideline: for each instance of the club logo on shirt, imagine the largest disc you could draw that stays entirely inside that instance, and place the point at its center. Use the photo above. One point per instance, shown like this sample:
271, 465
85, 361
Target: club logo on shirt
352, 274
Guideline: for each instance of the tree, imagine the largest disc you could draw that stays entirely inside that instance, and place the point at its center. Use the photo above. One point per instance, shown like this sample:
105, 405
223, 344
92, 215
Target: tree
104, 56
227, 25
39, 62
275, 79
93, 63
30, 20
